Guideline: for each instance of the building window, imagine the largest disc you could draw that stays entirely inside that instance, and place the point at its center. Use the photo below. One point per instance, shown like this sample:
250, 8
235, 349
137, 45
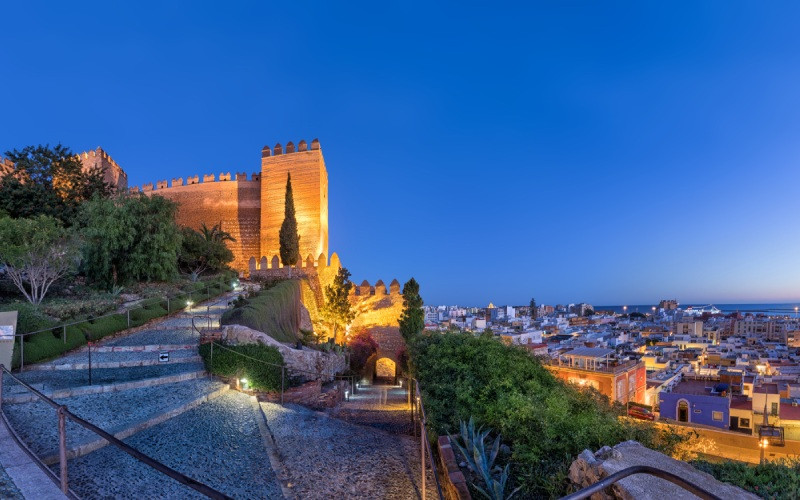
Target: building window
716, 415
774, 409
744, 422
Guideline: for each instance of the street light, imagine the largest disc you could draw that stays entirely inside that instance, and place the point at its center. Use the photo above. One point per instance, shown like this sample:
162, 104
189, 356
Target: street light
624, 309
795, 312
763, 445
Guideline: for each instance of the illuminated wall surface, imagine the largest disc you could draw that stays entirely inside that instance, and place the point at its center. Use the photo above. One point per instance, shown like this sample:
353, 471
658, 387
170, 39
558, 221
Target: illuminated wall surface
252, 209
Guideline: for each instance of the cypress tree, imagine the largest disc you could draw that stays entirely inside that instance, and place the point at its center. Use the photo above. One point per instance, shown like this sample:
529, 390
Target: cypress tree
289, 238
412, 320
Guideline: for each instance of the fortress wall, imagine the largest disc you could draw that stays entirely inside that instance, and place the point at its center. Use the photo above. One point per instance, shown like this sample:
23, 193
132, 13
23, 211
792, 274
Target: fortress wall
113, 173
310, 191
235, 204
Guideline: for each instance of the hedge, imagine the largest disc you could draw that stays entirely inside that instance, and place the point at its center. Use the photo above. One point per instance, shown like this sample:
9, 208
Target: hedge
260, 376
49, 344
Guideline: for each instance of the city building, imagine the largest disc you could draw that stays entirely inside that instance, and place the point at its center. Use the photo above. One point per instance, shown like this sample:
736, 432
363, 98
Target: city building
621, 380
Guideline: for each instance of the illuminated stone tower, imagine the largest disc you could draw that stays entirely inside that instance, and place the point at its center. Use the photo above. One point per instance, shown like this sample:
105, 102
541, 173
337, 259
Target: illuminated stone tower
310, 189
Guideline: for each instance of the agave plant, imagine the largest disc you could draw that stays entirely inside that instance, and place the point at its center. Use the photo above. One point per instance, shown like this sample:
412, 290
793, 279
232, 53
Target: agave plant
475, 452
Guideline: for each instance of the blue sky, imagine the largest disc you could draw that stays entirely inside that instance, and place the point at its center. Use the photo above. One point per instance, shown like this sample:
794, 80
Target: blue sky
569, 151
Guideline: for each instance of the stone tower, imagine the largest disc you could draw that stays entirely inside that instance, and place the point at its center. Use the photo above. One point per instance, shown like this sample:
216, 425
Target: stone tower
310, 190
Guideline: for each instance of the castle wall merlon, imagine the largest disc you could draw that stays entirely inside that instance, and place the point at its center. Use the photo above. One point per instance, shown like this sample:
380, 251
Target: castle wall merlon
161, 184
147, 187
208, 178
177, 182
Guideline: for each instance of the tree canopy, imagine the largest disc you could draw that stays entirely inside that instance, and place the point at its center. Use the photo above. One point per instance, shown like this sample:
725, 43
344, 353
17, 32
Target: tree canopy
50, 181
337, 311
36, 252
130, 238
412, 319
204, 250
289, 238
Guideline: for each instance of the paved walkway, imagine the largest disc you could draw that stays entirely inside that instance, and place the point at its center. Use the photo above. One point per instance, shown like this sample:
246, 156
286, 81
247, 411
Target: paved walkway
27, 479
368, 456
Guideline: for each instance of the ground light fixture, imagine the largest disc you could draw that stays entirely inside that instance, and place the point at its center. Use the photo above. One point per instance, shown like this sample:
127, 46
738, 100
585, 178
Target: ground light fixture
189, 303
346, 395
244, 383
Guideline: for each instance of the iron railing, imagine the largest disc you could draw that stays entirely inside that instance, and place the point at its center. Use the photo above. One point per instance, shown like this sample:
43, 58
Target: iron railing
62, 480
641, 469
418, 414
20, 337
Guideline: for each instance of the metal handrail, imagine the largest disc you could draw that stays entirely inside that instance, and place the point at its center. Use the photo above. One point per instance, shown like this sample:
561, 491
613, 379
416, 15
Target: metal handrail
64, 413
641, 469
426, 444
20, 337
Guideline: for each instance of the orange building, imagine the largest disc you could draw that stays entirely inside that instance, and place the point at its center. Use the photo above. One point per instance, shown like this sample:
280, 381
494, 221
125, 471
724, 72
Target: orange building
597, 367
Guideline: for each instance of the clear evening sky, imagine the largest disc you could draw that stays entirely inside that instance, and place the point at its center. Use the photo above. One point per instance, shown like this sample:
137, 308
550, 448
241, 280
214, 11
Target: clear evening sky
568, 151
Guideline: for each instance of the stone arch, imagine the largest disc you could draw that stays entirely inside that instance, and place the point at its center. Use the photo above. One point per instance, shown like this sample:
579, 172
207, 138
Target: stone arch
683, 406
263, 263
394, 287
385, 369
276, 263
380, 288
289, 147
251, 264
278, 149
322, 261
309, 261
302, 146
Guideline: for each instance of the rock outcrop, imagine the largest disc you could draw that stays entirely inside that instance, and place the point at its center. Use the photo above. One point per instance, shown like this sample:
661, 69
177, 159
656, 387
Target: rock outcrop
305, 362
590, 467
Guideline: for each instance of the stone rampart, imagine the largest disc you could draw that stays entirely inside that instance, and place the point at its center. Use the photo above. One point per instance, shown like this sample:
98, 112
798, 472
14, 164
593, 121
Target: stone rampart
235, 204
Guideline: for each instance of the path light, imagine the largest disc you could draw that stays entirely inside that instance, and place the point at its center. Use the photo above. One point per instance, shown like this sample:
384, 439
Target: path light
189, 303
346, 395
244, 383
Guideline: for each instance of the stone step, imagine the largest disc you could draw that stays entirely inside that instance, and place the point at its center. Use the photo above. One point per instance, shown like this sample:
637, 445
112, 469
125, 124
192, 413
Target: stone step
218, 443
119, 360
17, 394
120, 413
141, 348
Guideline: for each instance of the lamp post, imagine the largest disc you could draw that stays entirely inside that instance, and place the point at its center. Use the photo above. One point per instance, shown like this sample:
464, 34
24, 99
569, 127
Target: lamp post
763, 445
625, 310
795, 312
654, 311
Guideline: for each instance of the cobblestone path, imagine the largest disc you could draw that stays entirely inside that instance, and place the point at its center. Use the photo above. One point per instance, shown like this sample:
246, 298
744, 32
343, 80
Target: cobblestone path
194, 425
327, 457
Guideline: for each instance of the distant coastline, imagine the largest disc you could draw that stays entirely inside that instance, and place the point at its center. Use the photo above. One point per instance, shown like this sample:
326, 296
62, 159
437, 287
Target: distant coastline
774, 309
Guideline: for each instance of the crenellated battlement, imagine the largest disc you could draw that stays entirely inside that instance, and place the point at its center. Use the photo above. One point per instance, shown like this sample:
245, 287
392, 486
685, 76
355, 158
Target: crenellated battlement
207, 178
278, 150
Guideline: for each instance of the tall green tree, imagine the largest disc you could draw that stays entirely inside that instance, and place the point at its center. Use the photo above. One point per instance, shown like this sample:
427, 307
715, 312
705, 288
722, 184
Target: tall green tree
215, 233
35, 253
50, 181
289, 238
412, 319
337, 312
534, 312
203, 251
129, 238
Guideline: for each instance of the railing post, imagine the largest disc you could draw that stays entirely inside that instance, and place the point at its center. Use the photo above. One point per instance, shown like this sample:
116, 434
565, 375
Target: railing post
211, 358
129, 317
62, 448
2, 376
422, 452
64, 333
282, 376
21, 352
167, 304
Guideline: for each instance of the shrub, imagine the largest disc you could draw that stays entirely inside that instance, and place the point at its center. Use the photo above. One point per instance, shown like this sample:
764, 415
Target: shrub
96, 329
260, 376
545, 421
773, 479
65, 309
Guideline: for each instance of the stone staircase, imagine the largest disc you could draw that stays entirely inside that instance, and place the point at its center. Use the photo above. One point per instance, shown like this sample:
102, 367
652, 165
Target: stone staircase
165, 406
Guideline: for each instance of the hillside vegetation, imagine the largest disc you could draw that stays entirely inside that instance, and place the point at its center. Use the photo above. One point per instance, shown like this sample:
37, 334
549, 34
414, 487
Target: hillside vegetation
274, 311
545, 422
